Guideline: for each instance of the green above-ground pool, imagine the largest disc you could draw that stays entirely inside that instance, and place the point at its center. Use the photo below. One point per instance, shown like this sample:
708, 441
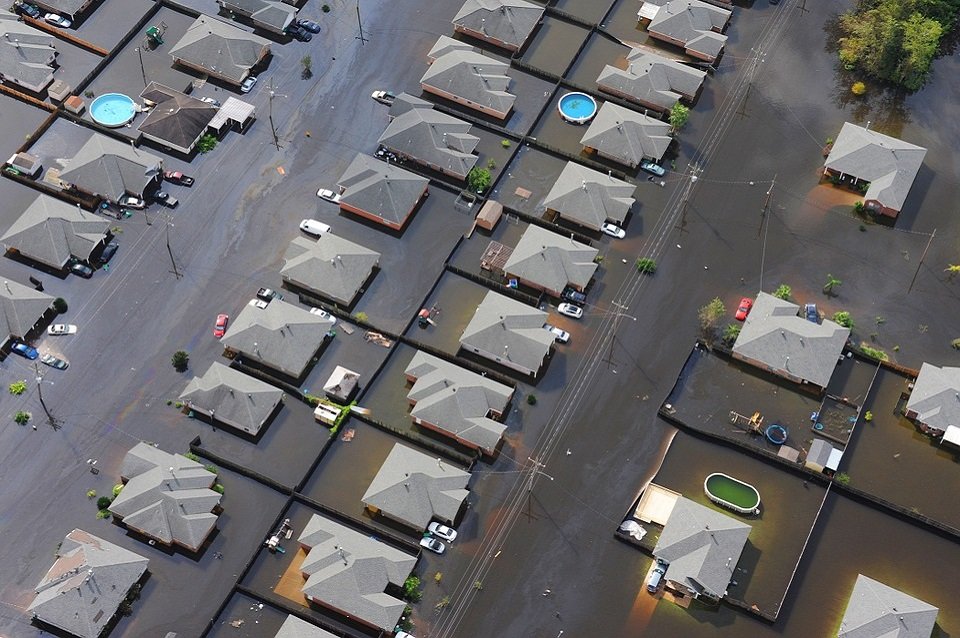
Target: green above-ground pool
732, 493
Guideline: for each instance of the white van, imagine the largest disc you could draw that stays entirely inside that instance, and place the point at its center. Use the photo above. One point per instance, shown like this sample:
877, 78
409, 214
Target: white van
313, 227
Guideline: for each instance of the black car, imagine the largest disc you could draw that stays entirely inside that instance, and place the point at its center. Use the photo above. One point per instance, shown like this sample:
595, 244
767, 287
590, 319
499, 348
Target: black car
309, 25
108, 252
299, 33
574, 296
81, 269
26, 9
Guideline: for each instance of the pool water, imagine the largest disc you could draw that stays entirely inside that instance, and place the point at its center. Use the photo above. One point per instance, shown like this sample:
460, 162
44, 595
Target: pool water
737, 493
577, 107
112, 109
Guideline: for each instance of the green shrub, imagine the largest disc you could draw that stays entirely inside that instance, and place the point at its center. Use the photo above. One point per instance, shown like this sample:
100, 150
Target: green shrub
102, 514
955, 344
679, 115
207, 143
505, 143
325, 8
531, 399
17, 388
21, 417
730, 333
842, 478
874, 353
211, 468
858, 88
438, 577
411, 589
180, 360
783, 292
646, 266
60, 305
843, 318
479, 179
868, 416
360, 316
193, 457
91, 493
117, 489
218, 487
104, 502
491, 163
710, 314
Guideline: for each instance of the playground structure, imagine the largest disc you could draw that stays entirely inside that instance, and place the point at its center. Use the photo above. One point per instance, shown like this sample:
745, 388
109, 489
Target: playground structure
751, 424
155, 35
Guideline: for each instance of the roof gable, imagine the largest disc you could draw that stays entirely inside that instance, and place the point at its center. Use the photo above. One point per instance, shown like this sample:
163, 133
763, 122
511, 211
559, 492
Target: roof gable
232, 397
50, 231
588, 197
551, 260
221, 48
20, 308
381, 189
462, 71
108, 168
509, 21
876, 610
434, 138
331, 266
627, 135
510, 330
936, 396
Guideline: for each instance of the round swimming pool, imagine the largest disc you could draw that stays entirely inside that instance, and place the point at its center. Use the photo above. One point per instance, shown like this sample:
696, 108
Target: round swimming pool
577, 108
113, 110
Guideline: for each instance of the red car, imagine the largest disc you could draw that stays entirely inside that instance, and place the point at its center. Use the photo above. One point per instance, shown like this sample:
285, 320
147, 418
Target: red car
221, 326
744, 309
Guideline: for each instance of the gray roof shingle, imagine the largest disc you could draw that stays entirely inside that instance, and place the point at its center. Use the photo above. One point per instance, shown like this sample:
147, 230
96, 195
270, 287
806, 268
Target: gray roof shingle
460, 70
589, 197
167, 497
876, 610
627, 136
692, 22
293, 627
51, 231
234, 398
381, 189
27, 55
509, 21
702, 547
551, 261
652, 80
20, 308
110, 169
509, 330
415, 488
269, 14
330, 266
936, 396
789, 345
81, 592
177, 119
432, 138
282, 336
220, 48
350, 571
889, 164
457, 401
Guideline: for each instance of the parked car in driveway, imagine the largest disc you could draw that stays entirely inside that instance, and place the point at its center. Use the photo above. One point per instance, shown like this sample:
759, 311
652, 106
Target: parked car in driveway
176, 177
313, 227
62, 329
248, 84
656, 577
320, 312
811, 313
573, 295
560, 335
309, 25
220, 327
57, 20
53, 362
108, 252
24, 350
744, 308
442, 531
299, 33
268, 294
132, 201
384, 97
570, 310
82, 270
210, 101
329, 195
27, 9
652, 168
433, 545
613, 231
167, 199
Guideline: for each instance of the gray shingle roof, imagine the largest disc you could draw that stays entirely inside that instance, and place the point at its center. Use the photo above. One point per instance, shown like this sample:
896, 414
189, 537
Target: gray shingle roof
234, 398
27, 55
293, 627
589, 197
381, 189
69, 8
167, 497
889, 164
936, 396
457, 400
177, 119
269, 14
51, 231
510, 21
220, 48
405, 102
331, 266
702, 547
509, 330
693, 23
80, 593
775, 336
460, 70
415, 488
432, 138
350, 571
876, 610
626, 135
110, 169
20, 308
282, 336
652, 79
551, 261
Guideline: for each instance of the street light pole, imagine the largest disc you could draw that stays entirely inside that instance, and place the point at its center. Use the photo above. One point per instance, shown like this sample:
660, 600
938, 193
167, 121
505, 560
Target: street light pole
142, 71
50, 418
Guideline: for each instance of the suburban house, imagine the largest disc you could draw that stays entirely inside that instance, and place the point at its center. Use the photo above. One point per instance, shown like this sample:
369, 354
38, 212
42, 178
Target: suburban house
280, 336
353, 573
341, 385
503, 23
219, 49
694, 25
775, 339
405, 102
25, 164
436, 140
109, 169
381, 192
413, 488
22, 310
701, 548
934, 403
546, 261
232, 398
52, 232
175, 121
331, 267
652, 81
875, 610
27, 55
588, 197
883, 165
69, 8
268, 15
625, 136
293, 627
167, 497
460, 73
510, 333
81, 593
823, 457
456, 402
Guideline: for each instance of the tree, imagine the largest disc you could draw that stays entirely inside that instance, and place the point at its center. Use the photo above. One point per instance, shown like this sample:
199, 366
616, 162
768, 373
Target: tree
710, 314
843, 318
207, 143
307, 63
858, 88
783, 292
60, 305
730, 333
411, 589
832, 283
679, 114
104, 502
21, 417
646, 265
479, 179
180, 360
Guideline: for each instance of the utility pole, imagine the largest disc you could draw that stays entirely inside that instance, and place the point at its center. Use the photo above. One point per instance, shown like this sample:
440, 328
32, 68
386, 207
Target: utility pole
616, 325
922, 257
50, 418
537, 469
682, 224
763, 218
142, 71
766, 205
173, 262
363, 40
273, 129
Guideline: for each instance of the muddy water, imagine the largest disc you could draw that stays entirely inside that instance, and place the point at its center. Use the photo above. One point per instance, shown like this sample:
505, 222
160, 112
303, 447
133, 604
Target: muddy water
592, 11
555, 45
530, 170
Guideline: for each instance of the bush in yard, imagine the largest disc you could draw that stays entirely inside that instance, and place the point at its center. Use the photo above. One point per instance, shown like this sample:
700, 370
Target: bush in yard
180, 360
505, 143
104, 502
730, 333
783, 292
218, 488
531, 399
479, 179
207, 143
91, 493
858, 88
17, 388
117, 489
955, 344
411, 589
843, 318
679, 115
21, 417
60, 305
646, 265
832, 283
874, 353
710, 314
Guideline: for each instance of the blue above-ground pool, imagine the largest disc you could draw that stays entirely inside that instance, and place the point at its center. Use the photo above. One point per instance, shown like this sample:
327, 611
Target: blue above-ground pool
776, 434
113, 110
577, 108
